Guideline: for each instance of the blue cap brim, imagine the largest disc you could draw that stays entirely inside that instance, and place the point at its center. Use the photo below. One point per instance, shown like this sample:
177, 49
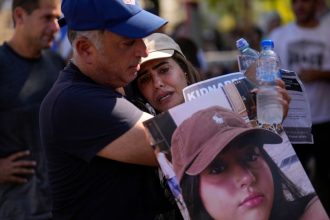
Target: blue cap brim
140, 25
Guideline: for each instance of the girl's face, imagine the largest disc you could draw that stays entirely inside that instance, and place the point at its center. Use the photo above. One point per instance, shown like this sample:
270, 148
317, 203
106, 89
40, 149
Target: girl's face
238, 185
161, 82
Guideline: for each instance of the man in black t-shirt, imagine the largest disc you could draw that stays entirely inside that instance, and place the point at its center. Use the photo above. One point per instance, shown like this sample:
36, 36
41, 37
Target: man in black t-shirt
27, 72
101, 165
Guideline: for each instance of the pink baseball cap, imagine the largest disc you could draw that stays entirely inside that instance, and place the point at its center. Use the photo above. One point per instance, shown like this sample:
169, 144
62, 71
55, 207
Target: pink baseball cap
201, 137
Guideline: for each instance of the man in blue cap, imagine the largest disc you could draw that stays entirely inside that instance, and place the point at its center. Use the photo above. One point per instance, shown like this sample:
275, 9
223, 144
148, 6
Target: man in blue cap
100, 163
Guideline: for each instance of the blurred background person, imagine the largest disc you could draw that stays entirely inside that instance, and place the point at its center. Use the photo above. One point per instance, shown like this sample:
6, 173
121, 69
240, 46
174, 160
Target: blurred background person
272, 20
194, 54
61, 44
28, 70
323, 10
304, 47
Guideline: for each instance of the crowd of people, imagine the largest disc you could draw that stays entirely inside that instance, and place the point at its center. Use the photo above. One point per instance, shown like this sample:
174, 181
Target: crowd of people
72, 140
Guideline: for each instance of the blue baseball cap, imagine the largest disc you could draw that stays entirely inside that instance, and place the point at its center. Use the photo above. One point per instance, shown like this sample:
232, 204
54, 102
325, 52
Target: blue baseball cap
122, 17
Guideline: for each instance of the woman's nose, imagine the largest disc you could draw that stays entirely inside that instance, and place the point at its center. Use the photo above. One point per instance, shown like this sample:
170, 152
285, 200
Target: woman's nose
158, 82
244, 176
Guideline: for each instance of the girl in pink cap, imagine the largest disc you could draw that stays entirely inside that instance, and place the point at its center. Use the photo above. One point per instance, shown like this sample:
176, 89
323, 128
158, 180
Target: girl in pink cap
225, 172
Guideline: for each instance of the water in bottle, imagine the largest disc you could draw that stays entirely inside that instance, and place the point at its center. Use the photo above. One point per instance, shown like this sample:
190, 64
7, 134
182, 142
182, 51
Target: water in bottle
269, 107
247, 56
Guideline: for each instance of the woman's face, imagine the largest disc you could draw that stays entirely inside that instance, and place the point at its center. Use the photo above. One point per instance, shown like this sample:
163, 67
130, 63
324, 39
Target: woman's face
238, 185
161, 82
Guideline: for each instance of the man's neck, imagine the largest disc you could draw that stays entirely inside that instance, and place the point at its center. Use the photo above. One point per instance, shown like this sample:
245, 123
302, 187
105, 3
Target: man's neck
23, 48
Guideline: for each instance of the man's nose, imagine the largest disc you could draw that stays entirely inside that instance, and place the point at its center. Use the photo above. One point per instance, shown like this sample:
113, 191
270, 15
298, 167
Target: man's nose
54, 26
141, 50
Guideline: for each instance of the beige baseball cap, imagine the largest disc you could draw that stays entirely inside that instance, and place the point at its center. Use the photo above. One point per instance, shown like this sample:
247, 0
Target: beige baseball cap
200, 138
160, 46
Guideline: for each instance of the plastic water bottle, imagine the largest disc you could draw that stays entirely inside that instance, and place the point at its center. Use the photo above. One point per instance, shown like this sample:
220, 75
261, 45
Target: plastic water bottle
269, 107
248, 55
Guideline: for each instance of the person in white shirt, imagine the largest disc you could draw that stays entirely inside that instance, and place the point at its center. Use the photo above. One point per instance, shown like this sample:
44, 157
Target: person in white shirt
304, 47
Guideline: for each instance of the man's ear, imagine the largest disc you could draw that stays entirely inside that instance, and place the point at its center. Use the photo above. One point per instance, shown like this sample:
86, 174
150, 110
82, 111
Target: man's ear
85, 49
18, 15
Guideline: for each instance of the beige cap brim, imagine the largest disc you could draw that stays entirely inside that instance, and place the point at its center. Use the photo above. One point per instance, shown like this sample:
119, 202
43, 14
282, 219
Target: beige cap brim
157, 55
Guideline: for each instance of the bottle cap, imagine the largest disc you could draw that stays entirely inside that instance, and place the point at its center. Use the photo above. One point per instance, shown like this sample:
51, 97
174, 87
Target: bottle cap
267, 43
241, 43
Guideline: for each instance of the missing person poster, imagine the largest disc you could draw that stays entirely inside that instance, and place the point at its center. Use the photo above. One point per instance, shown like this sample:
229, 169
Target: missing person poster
237, 87
220, 164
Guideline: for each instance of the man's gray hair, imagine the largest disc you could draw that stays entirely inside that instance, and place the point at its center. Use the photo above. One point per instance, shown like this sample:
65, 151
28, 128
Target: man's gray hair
94, 36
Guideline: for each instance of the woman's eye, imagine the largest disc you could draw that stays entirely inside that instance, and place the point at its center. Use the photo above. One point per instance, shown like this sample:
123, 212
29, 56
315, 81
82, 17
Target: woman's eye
163, 70
252, 155
144, 79
216, 168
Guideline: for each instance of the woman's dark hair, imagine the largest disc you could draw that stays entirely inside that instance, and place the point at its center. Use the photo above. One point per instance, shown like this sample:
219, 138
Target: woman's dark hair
289, 202
134, 95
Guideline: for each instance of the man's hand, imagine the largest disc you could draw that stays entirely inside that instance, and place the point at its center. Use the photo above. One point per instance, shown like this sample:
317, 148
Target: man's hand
11, 167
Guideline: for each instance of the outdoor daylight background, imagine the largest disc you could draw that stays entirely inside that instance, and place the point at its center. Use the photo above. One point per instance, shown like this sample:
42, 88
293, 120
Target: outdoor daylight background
213, 25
